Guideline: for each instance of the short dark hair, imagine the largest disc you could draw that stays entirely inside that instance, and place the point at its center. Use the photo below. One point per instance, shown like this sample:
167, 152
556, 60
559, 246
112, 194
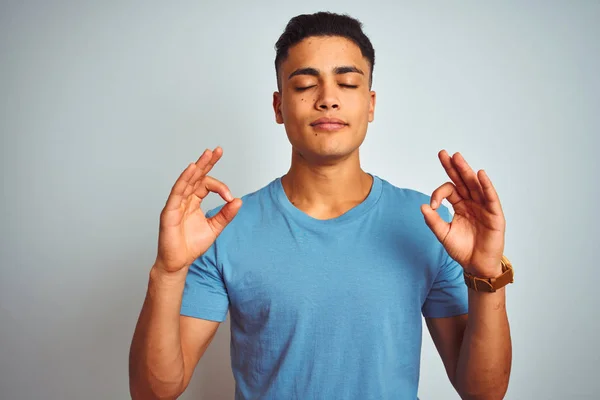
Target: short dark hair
323, 24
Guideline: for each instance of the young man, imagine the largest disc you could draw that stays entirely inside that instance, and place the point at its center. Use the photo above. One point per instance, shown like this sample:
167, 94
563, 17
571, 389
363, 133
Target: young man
327, 271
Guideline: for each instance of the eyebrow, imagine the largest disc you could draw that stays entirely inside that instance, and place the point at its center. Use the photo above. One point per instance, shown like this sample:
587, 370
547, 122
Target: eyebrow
345, 69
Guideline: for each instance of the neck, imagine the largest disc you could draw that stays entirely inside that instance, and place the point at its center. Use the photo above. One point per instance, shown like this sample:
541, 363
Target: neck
326, 190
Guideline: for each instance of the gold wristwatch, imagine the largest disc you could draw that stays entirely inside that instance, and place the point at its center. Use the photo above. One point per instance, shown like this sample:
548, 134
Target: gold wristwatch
491, 284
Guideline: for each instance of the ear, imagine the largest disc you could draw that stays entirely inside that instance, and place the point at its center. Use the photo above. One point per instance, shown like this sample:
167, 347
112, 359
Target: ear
277, 107
372, 106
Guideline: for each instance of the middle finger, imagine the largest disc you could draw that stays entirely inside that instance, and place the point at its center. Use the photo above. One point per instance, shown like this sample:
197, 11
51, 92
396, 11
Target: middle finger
469, 177
216, 156
461, 187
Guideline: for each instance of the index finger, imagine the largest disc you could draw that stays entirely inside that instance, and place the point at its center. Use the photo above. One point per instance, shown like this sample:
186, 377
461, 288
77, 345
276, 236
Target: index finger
446, 191
209, 184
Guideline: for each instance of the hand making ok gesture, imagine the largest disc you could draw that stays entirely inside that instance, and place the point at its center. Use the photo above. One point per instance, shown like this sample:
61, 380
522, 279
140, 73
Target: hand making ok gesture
185, 233
475, 236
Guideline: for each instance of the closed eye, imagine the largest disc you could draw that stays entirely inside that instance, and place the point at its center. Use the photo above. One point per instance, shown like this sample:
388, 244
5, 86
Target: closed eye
348, 86
300, 89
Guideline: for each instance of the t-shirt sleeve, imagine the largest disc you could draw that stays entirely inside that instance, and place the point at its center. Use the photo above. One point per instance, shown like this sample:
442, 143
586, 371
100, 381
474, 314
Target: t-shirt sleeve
448, 296
205, 295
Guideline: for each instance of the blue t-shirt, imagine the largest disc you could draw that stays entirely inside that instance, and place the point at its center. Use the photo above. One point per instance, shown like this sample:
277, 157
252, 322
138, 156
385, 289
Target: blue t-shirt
326, 309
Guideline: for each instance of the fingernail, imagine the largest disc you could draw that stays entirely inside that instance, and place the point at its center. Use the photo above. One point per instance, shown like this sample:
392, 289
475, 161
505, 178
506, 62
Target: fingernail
229, 196
433, 204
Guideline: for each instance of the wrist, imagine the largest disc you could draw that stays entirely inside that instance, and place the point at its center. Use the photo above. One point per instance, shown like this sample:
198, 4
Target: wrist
160, 275
490, 280
489, 273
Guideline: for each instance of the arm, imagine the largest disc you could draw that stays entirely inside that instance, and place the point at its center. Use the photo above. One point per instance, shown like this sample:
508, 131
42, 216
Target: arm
166, 347
485, 358
476, 349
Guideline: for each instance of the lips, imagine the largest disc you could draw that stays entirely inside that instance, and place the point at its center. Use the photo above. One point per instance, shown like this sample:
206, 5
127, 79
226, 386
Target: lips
328, 124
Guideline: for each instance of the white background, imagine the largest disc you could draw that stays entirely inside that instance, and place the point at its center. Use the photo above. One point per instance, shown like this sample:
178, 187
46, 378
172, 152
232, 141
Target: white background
102, 104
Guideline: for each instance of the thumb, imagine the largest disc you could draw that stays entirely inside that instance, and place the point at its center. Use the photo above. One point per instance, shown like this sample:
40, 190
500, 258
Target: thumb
434, 221
220, 220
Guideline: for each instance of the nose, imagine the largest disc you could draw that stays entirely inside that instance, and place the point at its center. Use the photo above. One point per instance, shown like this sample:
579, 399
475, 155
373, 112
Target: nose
327, 99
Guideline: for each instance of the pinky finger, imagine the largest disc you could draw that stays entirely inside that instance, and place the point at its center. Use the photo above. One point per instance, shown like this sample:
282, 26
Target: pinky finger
178, 190
489, 192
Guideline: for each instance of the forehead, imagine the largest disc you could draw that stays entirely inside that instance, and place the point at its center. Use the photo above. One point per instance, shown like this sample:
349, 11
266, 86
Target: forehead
325, 53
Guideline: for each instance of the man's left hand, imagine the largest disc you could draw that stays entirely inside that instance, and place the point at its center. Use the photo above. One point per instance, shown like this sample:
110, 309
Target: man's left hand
475, 236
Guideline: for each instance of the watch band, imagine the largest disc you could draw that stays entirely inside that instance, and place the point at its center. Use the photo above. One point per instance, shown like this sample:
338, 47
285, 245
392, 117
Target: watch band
491, 284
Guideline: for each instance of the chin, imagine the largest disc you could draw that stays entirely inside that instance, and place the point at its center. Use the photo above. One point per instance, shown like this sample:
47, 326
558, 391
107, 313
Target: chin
323, 154
326, 147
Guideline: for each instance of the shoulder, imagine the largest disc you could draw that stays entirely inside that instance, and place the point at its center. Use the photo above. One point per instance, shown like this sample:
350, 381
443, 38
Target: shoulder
254, 206
407, 201
403, 194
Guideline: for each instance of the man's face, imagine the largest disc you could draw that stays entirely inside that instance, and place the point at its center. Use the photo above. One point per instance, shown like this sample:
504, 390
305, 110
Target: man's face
325, 101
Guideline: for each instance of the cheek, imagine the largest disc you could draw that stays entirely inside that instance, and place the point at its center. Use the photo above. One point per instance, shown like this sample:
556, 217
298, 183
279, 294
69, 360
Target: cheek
296, 110
366, 104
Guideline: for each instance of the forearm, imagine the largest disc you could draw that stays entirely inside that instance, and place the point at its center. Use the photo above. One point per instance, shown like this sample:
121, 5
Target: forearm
486, 352
156, 366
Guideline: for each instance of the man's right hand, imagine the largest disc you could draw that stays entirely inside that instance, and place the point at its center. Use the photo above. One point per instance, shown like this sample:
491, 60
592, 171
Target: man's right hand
185, 233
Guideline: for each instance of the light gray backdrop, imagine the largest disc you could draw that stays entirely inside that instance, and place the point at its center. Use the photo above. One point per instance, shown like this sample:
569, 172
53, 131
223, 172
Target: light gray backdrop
102, 104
